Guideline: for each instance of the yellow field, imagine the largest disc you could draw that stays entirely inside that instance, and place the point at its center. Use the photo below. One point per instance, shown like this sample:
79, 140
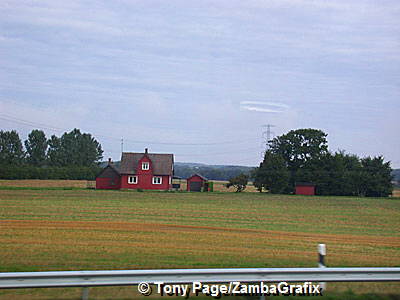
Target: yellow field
47, 183
219, 186
43, 230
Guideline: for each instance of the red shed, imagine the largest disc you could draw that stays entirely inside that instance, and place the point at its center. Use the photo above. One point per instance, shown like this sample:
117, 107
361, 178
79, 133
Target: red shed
109, 178
305, 188
195, 183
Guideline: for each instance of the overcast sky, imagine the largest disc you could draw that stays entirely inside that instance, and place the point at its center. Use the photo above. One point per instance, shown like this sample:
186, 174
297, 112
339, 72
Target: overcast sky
200, 78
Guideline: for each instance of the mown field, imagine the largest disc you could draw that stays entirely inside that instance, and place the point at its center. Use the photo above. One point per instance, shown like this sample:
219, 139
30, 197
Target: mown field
80, 229
219, 186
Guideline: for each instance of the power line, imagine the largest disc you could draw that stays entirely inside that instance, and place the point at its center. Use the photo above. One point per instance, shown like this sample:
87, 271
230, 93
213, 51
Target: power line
44, 126
238, 151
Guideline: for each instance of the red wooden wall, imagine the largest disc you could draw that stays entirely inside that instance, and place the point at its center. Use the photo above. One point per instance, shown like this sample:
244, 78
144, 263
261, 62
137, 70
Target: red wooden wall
108, 183
194, 178
305, 190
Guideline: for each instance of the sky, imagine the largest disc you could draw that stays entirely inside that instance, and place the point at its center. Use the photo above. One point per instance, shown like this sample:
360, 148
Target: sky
200, 79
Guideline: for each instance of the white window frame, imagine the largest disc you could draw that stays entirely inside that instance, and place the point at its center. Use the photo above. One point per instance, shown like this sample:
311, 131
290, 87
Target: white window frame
155, 180
132, 179
145, 166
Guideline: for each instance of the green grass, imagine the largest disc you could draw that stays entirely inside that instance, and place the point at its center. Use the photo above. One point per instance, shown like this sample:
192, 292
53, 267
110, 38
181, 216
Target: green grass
77, 229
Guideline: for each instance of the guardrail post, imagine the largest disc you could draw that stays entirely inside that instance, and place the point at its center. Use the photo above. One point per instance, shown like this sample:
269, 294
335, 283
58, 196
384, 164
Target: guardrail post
85, 293
321, 261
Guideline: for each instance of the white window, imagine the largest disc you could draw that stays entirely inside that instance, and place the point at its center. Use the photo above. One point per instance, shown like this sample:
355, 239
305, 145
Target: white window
157, 180
145, 166
132, 179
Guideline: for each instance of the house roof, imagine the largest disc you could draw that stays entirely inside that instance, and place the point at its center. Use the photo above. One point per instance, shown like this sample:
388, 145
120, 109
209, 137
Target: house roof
197, 174
162, 163
105, 170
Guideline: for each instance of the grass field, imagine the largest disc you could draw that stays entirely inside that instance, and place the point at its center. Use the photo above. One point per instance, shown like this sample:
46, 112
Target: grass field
84, 229
219, 186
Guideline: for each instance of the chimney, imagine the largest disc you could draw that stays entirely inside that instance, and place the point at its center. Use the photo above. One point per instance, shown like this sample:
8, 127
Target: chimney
146, 151
109, 161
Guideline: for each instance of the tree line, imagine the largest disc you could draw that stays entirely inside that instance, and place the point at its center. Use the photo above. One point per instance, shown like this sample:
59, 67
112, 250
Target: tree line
302, 156
74, 155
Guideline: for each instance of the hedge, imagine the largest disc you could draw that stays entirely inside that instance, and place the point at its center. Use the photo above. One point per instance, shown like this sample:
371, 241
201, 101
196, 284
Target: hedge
66, 173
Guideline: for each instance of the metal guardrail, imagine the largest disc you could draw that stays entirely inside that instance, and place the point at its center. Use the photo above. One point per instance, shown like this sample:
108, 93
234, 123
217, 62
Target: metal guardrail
134, 277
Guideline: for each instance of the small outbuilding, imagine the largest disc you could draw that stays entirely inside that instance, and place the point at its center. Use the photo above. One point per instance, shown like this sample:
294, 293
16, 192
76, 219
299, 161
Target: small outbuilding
109, 178
196, 182
305, 188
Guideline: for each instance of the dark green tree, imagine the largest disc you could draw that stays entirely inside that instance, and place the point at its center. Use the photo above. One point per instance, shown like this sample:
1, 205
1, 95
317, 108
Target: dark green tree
55, 155
239, 182
80, 149
74, 149
298, 148
11, 150
36, 147
272, 174
333, 174
376, 177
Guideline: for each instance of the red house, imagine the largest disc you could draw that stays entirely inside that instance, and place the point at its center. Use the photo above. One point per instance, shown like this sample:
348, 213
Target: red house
195, 183
305, 189
147, 171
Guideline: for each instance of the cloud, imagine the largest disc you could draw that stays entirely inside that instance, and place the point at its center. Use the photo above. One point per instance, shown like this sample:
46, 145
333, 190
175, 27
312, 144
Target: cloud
266, 107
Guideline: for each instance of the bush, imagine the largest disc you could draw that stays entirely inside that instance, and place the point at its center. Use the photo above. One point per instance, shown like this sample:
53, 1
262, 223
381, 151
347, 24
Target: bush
239, 182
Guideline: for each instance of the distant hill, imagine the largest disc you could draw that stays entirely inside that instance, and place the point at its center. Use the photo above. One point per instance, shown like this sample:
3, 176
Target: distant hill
396, 176
213, 172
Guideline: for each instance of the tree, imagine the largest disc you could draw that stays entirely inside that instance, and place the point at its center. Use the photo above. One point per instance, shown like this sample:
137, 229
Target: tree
36, 146
376, 177
333, 174
80, 149
74, 149
272, 174
55, 154
239, 182
11, 150
298, 147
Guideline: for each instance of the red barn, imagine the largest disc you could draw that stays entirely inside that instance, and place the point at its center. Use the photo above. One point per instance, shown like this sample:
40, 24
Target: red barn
195, 183
303, 188
147, 171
